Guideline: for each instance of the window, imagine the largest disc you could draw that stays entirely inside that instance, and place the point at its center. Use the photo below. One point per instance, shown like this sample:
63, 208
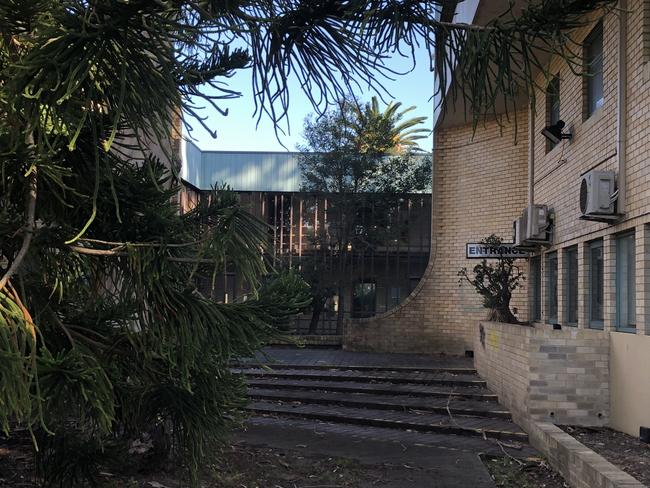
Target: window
364, 299
552, 107
536, 288
593, 57
596, 279
395, 296
646, 31
625, 289
571, 286
551, 288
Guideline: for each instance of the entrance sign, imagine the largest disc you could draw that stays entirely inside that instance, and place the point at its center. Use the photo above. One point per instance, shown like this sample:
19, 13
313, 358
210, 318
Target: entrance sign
476, 250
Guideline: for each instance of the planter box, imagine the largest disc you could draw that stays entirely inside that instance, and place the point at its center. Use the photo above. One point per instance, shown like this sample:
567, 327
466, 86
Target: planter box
557, 376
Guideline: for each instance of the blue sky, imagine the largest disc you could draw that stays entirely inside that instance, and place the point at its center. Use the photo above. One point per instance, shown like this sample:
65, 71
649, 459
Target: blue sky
238, 131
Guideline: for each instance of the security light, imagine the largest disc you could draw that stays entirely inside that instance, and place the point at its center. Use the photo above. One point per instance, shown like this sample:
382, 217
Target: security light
554, 132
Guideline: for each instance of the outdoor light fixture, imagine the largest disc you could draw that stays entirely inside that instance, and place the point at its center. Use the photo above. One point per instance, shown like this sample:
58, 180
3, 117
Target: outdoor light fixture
554, 132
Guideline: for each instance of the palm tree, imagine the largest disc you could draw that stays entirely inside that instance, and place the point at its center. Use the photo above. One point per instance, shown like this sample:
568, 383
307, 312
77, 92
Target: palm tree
385, 132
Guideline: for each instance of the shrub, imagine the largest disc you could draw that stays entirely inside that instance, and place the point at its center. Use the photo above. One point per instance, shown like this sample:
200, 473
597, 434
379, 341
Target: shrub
495, 281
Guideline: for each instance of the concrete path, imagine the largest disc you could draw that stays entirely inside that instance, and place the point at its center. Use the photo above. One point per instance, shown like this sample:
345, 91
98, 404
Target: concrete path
409, 465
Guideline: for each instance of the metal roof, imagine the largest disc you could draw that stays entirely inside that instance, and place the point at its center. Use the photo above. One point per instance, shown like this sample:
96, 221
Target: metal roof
241, 170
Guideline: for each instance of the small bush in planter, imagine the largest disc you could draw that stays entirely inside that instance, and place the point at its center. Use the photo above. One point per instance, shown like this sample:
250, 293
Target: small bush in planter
495, 281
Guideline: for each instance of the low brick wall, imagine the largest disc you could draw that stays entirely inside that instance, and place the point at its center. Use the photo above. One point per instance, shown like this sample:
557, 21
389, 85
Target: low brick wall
557, 376
547, 377
580, 466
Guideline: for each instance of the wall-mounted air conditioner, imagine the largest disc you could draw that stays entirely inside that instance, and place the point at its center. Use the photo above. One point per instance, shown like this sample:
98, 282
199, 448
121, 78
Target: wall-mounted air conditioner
540, 229
519, 231
598, 196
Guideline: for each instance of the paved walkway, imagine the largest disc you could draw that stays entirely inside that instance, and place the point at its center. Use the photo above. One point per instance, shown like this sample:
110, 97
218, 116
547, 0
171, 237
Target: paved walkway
428, 417
411, 465
338, 357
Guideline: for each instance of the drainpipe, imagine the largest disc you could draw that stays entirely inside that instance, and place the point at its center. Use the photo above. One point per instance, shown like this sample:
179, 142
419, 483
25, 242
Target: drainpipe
531, 170
621, 105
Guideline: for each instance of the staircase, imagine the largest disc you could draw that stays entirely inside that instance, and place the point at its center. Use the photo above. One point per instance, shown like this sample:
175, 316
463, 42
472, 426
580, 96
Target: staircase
448, 400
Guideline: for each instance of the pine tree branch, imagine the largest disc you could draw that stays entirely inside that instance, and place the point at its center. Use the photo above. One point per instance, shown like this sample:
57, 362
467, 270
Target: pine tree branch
118, 253
28, 230
143, 244
97, 252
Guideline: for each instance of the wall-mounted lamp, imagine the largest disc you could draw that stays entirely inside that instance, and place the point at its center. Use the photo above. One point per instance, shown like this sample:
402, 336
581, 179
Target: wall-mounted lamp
554, 132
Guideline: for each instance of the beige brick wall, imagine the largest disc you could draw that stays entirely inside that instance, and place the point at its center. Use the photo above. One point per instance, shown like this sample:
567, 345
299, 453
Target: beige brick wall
557, 180
557, 173
502, 356
557, 376
479, 187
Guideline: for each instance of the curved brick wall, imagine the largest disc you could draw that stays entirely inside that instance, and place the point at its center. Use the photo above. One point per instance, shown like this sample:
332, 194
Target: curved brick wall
480, 185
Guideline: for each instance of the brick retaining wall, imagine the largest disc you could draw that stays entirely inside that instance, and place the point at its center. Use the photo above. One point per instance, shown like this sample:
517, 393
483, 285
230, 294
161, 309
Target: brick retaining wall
557, 376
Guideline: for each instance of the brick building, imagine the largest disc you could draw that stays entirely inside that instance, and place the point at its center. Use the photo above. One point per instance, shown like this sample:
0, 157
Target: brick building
587, 358
382, 267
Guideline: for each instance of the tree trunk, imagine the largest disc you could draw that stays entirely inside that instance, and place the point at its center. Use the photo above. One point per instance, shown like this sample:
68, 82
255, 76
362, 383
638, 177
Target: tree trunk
317, 308
502, 314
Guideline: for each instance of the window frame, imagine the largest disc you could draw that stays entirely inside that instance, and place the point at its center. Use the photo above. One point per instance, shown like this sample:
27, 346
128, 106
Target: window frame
594, 39
645, 33
599, 323
361, 312
571, 293
553, 102
536, 288
395, 299
551, 282
621, 240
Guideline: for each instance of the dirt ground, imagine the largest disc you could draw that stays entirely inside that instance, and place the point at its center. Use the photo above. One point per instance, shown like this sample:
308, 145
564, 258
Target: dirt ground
622, 450
512, 473
237, 466
245, 466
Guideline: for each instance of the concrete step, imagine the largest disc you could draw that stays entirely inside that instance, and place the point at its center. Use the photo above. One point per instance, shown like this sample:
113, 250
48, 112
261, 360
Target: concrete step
378, 388
429, 422
333, 367
451, 405
391, 376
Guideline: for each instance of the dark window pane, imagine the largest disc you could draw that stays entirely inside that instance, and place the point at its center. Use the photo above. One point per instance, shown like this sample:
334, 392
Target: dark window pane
395, 296
596, 280
594, 69
571, 285
536, 284
551, 287
364, 299
625, 285
552, 106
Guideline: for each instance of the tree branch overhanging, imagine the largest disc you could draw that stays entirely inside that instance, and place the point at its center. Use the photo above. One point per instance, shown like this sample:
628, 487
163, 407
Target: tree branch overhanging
28, 229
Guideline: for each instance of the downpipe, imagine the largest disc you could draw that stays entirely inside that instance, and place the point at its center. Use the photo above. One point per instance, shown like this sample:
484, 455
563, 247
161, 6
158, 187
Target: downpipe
621, 107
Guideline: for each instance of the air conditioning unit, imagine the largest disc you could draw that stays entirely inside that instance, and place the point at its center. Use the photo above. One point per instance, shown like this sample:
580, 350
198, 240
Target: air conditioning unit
519, 231
598, 195
541, 225
541, 228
